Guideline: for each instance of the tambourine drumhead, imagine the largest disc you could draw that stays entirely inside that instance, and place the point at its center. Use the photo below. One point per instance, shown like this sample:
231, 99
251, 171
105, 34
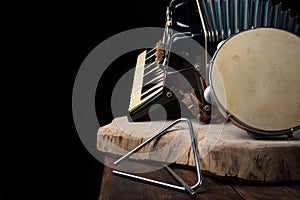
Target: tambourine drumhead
255, 77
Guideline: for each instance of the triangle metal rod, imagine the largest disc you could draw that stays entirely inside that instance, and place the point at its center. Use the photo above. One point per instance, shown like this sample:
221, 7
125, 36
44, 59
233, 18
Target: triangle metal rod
184, 186
182, 182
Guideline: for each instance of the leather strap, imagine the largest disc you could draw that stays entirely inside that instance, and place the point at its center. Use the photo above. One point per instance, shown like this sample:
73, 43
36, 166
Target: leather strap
195, 106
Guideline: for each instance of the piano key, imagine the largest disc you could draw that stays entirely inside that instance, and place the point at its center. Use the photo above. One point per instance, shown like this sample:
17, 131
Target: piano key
150, 51
149, 67
146, 88
142, 94
152, 70
139, 70
134, 104
151, 56
151, 90
138, 79
153, 78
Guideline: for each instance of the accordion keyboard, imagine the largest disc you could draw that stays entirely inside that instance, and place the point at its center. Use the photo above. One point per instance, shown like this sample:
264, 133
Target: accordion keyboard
148, 80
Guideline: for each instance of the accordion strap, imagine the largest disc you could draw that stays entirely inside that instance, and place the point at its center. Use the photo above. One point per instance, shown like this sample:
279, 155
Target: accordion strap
195, 106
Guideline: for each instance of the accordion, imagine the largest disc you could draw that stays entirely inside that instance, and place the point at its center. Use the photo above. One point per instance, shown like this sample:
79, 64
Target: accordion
209, 22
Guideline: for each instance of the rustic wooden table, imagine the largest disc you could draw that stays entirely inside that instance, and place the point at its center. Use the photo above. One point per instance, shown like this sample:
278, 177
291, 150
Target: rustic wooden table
117, 187
224, 150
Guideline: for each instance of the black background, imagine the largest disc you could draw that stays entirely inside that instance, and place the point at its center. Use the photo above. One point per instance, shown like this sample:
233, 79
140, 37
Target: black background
44, 44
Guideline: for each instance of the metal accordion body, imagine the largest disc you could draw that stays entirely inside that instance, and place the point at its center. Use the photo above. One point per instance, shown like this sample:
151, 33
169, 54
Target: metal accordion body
209, 22
160, 74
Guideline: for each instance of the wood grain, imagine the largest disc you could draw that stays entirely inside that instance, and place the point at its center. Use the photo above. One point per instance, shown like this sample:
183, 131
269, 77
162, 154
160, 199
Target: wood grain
265, 192
225, 150
118, 187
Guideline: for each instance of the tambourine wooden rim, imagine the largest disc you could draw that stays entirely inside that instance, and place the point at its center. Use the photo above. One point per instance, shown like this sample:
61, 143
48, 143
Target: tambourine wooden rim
229, 116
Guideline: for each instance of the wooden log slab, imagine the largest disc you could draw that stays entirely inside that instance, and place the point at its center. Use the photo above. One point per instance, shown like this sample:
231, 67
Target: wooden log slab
225, 150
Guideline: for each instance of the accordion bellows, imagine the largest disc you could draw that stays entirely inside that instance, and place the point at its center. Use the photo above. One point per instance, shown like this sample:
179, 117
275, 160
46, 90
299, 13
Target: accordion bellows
223, 18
